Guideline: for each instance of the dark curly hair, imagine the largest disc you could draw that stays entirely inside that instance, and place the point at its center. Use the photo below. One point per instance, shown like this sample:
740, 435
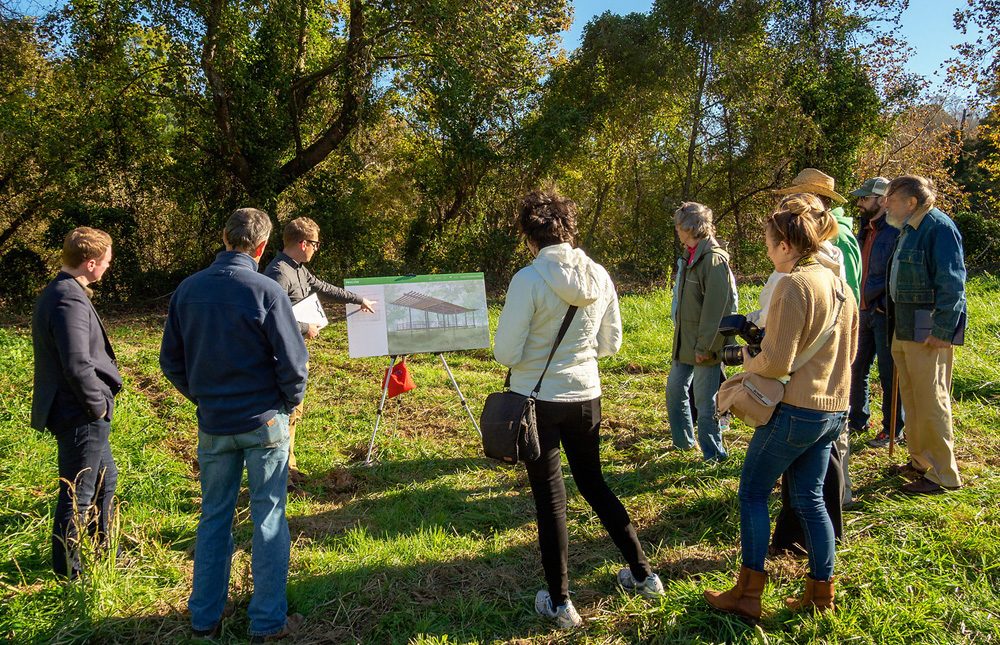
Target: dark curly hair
546, 218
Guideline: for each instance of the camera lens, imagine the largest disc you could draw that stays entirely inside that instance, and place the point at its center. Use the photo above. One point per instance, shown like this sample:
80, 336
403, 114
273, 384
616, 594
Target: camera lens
732, 355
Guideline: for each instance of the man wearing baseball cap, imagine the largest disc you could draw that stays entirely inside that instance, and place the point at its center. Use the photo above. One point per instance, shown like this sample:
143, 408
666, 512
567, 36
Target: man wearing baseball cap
877, 240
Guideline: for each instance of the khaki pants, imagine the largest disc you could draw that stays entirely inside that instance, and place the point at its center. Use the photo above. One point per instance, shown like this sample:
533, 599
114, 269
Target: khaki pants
925, 390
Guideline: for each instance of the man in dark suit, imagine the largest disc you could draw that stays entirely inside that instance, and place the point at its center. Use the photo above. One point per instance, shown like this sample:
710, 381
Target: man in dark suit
76, 380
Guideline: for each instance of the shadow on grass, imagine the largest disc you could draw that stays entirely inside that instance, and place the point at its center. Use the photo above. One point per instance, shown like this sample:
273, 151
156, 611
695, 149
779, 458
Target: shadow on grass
489, 596
398, 498
483, 596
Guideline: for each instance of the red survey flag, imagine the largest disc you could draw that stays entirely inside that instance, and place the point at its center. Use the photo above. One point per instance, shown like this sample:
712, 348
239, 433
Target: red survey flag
399, 380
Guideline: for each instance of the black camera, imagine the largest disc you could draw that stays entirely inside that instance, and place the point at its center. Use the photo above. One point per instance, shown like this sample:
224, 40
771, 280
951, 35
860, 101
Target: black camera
737, 325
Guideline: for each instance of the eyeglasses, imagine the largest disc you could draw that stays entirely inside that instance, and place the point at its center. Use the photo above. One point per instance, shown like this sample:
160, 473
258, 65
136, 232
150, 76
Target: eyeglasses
312, 243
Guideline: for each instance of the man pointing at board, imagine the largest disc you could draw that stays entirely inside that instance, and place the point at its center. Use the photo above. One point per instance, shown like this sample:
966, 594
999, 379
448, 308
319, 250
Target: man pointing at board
301, 240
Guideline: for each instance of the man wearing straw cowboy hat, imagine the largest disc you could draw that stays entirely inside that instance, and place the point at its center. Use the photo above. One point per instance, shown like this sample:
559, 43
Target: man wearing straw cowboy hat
810, 180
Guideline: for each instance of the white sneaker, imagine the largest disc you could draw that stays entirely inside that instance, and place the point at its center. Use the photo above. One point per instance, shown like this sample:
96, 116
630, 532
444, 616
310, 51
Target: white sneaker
565, 614
650, 587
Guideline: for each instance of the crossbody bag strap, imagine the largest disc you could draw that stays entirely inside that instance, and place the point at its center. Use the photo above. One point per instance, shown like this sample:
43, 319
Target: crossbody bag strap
562, 332
806, 355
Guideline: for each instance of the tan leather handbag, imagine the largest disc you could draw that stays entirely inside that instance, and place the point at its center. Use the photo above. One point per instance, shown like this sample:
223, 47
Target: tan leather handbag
751, 398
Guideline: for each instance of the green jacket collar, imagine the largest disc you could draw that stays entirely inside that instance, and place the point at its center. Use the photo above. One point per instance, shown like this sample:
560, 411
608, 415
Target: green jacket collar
704, 247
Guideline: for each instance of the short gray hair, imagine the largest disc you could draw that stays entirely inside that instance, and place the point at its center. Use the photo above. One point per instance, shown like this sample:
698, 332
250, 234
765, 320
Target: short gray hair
246, 228
920, 188
696, 219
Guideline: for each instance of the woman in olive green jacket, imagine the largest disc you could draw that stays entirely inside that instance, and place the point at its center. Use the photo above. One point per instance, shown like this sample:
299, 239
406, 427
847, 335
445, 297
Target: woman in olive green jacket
705, 291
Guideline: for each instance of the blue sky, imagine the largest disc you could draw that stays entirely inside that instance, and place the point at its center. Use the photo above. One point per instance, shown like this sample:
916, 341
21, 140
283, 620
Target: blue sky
926, 25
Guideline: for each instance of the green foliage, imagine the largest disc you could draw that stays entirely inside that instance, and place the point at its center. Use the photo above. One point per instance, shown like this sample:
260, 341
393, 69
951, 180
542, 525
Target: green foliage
843, 106
410, 130
980, 239
28, 275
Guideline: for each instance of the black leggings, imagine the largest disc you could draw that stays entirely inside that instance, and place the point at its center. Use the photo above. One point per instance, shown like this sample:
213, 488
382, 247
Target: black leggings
577, 425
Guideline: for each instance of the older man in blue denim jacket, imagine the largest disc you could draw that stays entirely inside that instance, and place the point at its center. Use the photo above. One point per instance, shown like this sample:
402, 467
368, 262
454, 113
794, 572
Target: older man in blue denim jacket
231, 345
928, 314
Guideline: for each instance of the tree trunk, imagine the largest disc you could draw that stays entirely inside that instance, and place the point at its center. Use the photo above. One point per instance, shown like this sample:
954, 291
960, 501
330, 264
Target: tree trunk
697, 108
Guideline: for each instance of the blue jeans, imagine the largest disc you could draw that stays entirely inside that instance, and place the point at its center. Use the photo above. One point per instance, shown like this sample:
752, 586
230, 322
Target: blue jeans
796, 441
85, 460
706, 386
221, 459
874, 341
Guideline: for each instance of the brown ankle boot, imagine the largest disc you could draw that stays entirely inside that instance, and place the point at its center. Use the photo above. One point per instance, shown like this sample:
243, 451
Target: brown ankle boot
744, 598
818, 595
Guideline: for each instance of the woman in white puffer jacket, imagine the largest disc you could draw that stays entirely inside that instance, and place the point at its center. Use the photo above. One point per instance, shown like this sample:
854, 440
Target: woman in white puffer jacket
569, 402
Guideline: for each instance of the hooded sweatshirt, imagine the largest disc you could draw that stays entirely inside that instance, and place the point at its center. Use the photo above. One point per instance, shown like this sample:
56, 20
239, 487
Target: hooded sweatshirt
828, 256
851, 250
537, 300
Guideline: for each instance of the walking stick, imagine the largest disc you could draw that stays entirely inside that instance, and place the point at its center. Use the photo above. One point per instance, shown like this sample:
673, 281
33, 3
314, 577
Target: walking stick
895, 403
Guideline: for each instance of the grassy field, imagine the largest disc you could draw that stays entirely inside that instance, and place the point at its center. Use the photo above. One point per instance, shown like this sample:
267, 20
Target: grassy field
435, 544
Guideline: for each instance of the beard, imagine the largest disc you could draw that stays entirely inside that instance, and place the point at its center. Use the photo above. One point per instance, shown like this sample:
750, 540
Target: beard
893, 221
869, 212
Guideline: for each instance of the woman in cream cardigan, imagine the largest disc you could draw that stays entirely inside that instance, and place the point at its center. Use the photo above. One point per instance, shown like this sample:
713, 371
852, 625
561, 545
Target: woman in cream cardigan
811, 310
568, 407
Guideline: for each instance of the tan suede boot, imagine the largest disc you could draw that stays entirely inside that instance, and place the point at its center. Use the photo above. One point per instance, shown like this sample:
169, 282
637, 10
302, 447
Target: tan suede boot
818, 596
744, 598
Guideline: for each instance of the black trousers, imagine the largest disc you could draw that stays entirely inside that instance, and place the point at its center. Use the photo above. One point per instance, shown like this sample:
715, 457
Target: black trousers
788, 534
577, 426
88, 477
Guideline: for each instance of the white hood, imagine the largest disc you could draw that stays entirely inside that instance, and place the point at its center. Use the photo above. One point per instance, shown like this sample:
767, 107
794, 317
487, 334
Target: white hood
573, 276
832, 258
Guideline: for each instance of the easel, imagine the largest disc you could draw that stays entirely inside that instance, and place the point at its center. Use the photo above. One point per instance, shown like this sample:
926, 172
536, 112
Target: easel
385, 393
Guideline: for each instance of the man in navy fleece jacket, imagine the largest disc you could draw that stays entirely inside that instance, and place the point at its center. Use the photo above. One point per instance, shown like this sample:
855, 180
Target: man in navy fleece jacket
231, 345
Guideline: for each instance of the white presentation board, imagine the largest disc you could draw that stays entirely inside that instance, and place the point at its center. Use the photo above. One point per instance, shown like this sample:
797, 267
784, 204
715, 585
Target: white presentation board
418, 314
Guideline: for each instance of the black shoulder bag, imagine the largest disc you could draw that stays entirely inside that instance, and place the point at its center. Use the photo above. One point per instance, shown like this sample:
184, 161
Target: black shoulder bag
510, 431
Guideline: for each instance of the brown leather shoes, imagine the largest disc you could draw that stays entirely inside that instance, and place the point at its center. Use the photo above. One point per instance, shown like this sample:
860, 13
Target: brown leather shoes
906, 470
923, 486
818, 596
743, 599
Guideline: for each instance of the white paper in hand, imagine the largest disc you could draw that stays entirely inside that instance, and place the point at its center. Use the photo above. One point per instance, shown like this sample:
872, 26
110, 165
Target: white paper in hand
310, 312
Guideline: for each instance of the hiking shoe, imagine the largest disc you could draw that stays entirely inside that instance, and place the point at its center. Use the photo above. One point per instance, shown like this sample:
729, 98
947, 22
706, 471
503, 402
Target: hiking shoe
292, 624
650, 587
565, 614
211, 634
215, 631
881, 440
